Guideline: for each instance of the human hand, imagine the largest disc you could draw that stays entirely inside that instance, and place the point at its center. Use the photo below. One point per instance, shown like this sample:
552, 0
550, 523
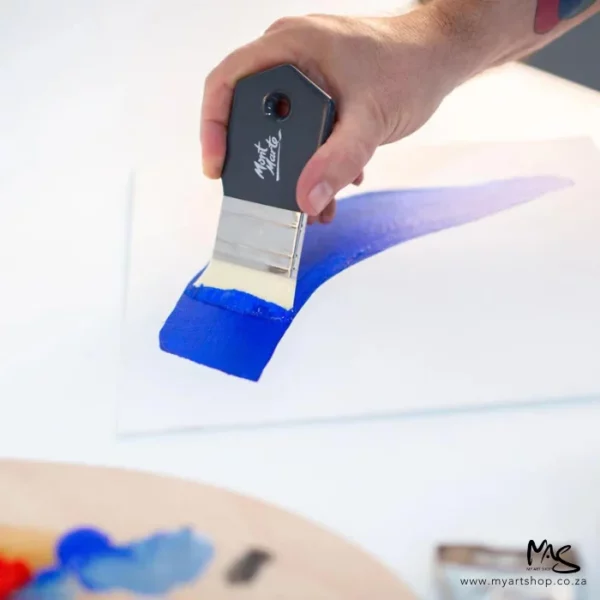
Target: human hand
386, 75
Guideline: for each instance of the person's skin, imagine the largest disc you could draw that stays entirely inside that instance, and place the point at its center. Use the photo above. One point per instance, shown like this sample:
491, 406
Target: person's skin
387, 75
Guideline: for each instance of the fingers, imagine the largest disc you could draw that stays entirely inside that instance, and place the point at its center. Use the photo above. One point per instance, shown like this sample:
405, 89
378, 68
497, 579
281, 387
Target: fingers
328, 213
337, 163
358, 181
213, 138
326, 216
218, 94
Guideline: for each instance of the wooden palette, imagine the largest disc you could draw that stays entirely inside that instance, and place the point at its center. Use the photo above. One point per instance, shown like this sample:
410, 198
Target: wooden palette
42, 501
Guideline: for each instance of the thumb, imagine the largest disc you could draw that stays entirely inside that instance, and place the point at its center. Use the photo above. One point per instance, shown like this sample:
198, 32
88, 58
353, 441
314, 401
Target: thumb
337, 163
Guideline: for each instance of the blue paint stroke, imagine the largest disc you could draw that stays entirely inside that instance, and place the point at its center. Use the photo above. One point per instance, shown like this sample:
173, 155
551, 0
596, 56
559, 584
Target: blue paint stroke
153, 566
237, 333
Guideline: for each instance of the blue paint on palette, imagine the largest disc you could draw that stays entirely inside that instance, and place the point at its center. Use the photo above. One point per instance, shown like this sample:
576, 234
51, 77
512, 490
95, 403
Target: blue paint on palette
237, 333
153, 566
51, 584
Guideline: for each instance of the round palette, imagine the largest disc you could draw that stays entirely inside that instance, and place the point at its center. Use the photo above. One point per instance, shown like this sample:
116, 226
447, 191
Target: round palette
85, 533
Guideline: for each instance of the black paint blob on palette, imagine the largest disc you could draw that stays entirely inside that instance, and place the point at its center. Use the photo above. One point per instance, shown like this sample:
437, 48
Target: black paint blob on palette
247, 568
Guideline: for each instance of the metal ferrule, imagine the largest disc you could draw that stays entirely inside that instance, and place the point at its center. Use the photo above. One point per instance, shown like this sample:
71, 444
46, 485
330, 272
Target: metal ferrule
260, 237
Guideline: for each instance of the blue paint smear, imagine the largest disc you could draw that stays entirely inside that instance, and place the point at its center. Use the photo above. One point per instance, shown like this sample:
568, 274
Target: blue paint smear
237, 333
51, 584
152, 566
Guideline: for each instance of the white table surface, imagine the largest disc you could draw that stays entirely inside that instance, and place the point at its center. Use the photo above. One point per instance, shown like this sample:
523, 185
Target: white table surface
89, 90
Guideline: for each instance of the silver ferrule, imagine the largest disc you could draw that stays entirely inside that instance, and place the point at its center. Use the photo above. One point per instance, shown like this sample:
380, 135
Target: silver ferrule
260, 237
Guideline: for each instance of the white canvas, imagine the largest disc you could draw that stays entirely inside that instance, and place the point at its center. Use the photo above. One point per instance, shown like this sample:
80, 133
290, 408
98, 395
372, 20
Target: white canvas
499, 311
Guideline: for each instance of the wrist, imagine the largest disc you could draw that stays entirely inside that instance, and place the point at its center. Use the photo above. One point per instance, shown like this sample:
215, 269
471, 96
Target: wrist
456, 33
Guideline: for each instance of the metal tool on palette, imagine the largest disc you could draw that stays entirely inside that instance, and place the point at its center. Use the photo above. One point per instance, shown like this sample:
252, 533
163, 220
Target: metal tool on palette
278, 120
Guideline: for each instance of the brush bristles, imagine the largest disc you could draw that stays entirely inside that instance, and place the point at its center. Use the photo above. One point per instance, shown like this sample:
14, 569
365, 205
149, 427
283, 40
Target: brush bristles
270, 287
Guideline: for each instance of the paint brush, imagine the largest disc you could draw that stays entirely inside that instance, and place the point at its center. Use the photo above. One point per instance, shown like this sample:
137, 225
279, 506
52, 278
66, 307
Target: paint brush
278, 120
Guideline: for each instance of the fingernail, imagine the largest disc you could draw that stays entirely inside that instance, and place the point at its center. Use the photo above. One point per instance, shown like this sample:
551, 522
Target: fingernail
320, 196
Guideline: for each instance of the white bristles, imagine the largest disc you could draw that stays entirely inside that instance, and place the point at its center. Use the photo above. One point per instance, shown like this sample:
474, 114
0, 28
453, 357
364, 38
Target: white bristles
262, 284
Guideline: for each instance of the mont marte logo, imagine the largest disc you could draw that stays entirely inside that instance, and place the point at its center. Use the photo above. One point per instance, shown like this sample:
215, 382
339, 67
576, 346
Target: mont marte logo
545, 558
267, 161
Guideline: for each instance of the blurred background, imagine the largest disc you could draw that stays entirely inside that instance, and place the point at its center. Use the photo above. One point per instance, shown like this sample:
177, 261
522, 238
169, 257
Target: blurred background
574, 56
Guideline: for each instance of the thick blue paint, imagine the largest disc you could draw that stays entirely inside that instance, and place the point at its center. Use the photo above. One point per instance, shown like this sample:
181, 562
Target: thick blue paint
77, 547
153, 566
237, 333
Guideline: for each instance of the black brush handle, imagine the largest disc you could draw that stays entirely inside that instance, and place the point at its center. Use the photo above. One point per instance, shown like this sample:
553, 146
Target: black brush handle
278, 120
